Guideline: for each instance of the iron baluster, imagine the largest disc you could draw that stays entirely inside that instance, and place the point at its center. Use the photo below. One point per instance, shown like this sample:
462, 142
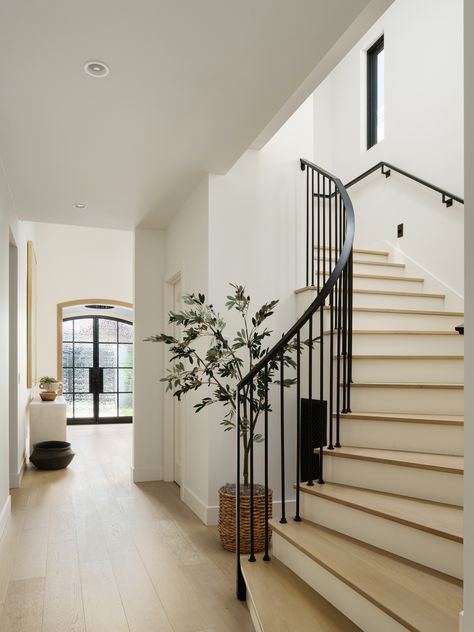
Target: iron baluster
241, 589
266, 556
310, 397
252, 521
298, 426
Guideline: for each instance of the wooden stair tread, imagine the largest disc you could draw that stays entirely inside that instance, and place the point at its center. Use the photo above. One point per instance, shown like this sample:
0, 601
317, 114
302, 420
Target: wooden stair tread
419, 599
366, 262
386, 277
448, 420
425, 385
392, 310
360, 251
283, 602
442, 520
313, 288
420, 460
411, 385
369, 356
402, 332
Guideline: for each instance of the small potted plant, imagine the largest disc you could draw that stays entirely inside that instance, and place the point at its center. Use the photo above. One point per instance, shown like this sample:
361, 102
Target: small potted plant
49, 387
220, 367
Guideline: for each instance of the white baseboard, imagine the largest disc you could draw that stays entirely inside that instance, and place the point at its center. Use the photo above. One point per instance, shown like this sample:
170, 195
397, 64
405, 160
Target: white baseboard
5, 514
202, 511
17, 477
450, 292
209, 514
144, 474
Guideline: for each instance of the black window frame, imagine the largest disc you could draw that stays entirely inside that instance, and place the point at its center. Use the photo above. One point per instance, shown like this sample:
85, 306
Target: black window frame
372, 66
96, 342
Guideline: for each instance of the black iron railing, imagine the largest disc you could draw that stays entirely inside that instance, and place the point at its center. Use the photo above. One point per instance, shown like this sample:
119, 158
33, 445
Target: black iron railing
324, 377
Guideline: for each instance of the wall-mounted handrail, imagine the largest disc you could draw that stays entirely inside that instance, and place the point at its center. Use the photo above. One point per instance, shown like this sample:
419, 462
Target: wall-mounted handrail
330, 227
386, 169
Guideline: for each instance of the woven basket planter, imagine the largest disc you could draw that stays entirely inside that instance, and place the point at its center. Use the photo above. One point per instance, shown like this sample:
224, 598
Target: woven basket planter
227, 523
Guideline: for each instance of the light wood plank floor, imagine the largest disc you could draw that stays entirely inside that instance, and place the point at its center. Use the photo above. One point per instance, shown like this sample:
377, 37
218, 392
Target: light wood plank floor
86, 550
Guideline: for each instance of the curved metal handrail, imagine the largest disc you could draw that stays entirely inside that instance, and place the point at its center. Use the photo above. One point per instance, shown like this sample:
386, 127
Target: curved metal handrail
338, 287
319, 301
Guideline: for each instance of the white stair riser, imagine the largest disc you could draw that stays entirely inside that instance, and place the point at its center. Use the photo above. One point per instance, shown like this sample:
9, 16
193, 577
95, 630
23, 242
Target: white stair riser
379, 301
365, 268
360, 610
408, 370
396, 479
408, 400
398, 302
413, 544
412, 437
405, 344
390, 320
387, 284
370, 256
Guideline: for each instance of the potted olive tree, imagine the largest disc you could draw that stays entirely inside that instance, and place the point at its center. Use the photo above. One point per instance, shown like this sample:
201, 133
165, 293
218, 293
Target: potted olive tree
224, 361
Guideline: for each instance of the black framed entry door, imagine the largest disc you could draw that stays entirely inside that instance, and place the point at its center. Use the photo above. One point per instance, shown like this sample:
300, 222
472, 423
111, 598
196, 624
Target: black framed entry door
98, 369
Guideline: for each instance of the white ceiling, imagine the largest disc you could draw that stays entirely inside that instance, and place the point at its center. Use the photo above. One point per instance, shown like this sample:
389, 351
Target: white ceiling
192, 84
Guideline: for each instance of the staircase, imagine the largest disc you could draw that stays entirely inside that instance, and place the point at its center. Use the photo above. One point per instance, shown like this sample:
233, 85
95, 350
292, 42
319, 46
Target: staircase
379, 546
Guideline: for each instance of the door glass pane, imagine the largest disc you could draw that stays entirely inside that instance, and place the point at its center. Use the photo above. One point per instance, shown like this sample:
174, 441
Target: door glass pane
67, 380
83, 354
67, 354
107, 355
67, 330
107, 405
110, 380
69, 408
125, 355
125, 332
126, 380
84, 406
107, 330
83, 330
81, 380
125, 405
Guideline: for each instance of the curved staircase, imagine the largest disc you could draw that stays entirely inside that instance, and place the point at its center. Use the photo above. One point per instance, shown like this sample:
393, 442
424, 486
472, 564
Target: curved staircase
379, 547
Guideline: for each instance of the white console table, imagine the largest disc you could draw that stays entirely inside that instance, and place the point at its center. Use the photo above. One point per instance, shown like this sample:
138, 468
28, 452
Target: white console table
47, 421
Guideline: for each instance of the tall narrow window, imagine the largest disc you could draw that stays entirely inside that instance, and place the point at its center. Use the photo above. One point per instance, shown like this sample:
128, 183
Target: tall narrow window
375, 93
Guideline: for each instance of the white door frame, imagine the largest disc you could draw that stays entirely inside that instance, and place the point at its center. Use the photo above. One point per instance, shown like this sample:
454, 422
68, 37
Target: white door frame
168, 403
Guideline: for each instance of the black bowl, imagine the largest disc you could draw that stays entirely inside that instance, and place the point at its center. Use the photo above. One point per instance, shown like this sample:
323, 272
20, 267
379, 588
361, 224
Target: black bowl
51, 455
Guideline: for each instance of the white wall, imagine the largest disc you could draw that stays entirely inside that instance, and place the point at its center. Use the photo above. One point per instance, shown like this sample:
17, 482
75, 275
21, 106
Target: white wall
182, 249
423, 133
256, 216
468, 622
186, 247
73, 263
4, 292
148, 358
20, 233
11, 461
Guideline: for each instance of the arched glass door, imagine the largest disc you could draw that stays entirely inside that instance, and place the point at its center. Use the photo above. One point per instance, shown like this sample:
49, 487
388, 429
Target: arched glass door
98, 369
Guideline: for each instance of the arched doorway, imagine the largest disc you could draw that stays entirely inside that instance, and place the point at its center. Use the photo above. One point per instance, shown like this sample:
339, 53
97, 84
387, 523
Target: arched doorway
96, 343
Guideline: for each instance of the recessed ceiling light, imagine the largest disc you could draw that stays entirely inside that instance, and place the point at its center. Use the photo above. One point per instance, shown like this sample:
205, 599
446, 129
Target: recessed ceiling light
96, 68
79, 205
